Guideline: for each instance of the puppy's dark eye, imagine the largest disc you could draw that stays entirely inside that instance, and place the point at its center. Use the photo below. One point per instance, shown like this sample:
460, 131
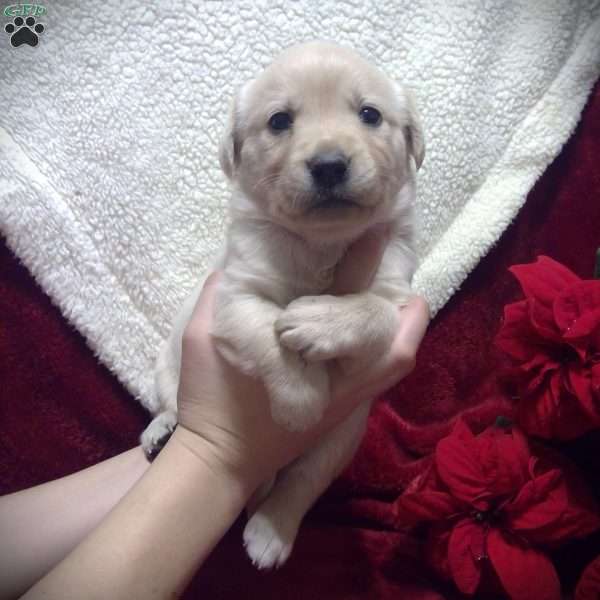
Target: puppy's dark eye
280, 122
370, 116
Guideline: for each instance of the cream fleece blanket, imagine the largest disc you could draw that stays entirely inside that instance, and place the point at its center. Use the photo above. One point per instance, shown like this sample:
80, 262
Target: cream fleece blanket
110, 190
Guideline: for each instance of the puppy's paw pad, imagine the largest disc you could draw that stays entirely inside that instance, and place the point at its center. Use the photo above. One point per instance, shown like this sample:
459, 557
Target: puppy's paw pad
308, 309
267, 546
309, 343
307, 326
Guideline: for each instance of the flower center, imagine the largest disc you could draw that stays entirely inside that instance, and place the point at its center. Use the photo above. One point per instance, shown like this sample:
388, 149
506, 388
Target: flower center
491, 516
564, 354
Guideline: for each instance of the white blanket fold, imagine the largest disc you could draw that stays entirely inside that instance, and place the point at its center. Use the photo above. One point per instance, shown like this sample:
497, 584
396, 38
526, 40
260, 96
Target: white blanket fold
110, 190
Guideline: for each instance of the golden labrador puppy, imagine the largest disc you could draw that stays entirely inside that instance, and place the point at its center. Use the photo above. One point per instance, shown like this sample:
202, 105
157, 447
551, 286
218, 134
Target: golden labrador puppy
320, 148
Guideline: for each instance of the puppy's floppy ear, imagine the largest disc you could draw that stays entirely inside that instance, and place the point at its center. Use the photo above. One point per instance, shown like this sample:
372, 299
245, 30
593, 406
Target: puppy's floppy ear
415, 139
231, 142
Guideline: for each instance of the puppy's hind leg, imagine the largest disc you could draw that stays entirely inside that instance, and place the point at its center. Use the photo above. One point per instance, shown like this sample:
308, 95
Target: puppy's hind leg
270, 533
166, 379
157, 433
260, 493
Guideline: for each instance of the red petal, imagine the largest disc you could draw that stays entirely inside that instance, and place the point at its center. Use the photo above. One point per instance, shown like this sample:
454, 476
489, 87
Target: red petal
541, 282
585, 326
458, 467
553, 413
537, 414
577, 308
506, 461
588, 587
537, 373
542, 320
465, 552
576, 522
551, 509
536, 511
580, 383
544, 279
525, 573
517, 337
533, 354
478, 469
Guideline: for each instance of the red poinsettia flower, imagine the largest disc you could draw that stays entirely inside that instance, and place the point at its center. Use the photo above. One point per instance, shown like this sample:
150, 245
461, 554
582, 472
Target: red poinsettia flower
494, 507
552, 338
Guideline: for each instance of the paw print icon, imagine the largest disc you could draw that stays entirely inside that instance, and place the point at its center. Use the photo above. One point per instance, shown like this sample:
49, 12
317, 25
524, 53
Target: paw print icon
24, 31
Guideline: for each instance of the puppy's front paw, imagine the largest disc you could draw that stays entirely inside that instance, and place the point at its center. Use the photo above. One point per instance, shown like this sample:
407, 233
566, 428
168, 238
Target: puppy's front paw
299, 393
268, 542
316, 328
157, 434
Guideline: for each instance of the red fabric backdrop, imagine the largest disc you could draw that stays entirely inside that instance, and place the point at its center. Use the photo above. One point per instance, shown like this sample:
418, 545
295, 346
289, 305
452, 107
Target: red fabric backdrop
61, 411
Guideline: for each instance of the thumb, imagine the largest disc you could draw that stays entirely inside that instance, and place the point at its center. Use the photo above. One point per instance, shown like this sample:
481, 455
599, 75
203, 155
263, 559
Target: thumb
358, 266
203, 310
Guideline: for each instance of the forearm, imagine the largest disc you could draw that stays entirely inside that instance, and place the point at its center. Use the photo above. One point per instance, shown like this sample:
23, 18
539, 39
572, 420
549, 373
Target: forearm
153, 541
41, 525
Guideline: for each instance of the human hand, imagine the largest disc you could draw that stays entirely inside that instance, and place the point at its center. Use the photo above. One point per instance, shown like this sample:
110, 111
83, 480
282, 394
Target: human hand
229, 413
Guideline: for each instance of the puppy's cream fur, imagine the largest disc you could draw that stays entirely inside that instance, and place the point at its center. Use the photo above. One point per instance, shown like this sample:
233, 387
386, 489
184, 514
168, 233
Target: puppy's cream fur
273, 318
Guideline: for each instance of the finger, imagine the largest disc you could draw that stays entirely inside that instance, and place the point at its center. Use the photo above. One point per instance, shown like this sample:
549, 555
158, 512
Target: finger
361, 261
414, 319
401, 358
203, 310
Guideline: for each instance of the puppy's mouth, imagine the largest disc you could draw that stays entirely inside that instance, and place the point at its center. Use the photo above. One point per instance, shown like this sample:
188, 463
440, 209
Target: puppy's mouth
331, 202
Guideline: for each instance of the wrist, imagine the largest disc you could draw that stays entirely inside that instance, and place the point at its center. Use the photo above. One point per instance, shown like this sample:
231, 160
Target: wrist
207, 456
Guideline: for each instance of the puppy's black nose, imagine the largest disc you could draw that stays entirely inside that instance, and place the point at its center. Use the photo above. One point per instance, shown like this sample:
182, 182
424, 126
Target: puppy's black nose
328, 169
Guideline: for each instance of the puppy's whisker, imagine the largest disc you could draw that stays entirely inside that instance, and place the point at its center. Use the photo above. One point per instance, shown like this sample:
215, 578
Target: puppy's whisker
275, 178
267, 180
298, 197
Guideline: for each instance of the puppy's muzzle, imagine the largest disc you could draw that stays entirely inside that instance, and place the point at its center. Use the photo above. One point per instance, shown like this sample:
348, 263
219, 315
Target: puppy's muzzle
328, 170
